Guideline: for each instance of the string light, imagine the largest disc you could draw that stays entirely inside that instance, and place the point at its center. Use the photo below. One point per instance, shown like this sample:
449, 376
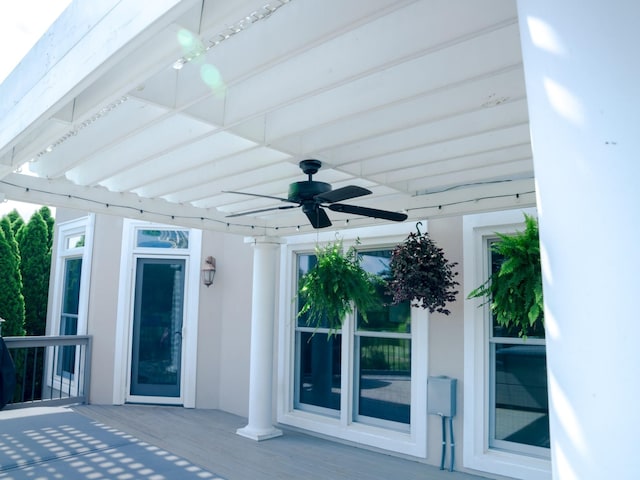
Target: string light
104, 111
262, 13
241, 226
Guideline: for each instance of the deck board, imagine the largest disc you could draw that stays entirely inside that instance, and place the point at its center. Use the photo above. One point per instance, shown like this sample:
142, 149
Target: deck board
207, 438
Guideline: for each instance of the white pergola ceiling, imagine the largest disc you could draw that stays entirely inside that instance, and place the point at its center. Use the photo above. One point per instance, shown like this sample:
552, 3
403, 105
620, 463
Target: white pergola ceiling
422, 102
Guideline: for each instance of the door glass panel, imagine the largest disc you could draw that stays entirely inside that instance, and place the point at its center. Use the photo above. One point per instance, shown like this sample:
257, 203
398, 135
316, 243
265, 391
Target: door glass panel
69, 315
157, 327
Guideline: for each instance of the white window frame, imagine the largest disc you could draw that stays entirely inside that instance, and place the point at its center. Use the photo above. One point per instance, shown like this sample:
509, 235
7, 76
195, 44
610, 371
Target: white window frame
477, 455
124, 321
383, 435
65, 231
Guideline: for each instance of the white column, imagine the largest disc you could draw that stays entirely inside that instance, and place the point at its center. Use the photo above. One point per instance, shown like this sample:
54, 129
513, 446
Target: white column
582, 70
260, 426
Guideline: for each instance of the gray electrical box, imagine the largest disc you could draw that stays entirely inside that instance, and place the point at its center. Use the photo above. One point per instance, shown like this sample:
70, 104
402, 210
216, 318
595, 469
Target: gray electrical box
441, 396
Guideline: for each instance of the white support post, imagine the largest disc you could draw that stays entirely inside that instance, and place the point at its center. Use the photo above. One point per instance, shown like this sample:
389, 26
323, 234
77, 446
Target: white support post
583, 76
260, 425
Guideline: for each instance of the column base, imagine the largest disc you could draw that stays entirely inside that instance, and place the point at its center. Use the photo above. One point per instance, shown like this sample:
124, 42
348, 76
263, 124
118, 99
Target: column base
258, 435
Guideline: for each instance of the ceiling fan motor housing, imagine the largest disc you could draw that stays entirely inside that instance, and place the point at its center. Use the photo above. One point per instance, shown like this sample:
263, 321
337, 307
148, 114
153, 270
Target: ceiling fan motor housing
300, 191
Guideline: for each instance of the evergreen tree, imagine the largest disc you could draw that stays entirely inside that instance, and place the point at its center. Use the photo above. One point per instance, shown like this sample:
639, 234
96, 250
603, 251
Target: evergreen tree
5, 224
11, 299
50, 221
35, 267
16, 220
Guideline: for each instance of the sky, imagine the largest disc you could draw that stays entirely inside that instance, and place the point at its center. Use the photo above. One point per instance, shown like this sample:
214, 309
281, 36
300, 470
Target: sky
22, 23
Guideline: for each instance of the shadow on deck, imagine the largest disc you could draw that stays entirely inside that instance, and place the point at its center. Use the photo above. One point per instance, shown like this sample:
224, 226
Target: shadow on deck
207, 438
155, 443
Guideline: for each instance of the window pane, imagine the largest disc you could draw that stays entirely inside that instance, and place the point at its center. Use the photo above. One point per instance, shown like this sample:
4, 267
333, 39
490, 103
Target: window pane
74, 241
162, 238
385, 379
387, 318
319, 371
305, 263
71, 294
521, 405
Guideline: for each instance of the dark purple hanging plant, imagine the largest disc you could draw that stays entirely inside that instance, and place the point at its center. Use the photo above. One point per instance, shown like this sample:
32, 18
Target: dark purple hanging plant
421, 274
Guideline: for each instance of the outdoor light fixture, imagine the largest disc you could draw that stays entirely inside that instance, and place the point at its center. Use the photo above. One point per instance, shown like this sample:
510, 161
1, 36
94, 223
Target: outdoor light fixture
208, 271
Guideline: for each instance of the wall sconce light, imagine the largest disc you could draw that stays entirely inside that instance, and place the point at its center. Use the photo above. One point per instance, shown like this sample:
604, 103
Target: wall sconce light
208, 271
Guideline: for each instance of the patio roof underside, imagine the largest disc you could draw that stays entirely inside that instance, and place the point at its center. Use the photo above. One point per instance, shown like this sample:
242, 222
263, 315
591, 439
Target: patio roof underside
422, 102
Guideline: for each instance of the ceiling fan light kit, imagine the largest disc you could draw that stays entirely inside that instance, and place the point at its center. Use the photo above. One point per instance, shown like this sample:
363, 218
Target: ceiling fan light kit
314, 197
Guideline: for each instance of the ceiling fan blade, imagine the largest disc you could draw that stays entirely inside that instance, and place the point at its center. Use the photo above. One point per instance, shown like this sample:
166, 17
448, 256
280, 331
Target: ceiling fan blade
285, 207
368, 212
344, 193
318, 217
258, 195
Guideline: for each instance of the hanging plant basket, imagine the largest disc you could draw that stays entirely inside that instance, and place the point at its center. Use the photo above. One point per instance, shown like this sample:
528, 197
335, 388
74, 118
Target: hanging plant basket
421, 274
336, 284
514, 292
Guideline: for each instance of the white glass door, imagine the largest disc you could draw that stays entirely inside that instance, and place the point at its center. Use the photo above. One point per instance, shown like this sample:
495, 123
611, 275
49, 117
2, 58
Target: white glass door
156, 360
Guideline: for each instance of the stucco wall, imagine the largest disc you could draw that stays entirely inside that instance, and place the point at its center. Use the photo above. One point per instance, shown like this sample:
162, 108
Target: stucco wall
237, 265
446, 336
225, 326
103, 305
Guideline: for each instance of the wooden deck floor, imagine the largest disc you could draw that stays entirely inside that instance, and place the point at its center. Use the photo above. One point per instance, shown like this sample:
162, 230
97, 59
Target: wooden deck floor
207, 438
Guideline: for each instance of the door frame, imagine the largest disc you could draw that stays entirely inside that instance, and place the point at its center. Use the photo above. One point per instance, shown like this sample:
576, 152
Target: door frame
124, 322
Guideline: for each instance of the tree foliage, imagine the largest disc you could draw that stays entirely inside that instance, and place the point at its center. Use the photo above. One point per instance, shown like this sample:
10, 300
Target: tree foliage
420, 273
45, 212
514, 292
35, 267
334, 285
16, 220
11, 299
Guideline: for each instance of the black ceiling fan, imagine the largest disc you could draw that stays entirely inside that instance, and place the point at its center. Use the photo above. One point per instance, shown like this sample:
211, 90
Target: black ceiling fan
314, 196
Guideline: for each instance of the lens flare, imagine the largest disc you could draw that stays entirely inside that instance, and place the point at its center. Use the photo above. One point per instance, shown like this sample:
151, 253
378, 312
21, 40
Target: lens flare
212, 78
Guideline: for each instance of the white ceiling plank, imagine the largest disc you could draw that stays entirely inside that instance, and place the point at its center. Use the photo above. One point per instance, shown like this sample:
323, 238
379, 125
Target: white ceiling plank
478, 175
88, 141
390, 156
179, 187
410, 111
154, 139
498, 156
367, 50
164, 167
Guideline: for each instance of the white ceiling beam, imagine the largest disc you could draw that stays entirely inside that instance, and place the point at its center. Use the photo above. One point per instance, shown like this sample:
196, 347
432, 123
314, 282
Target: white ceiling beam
90, 52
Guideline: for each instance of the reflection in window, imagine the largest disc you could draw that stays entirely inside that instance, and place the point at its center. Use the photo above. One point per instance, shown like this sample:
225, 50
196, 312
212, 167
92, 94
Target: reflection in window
162, 238
385, 378
383, 346
69, 314
319, 372
319, 358
519, 405
378, 361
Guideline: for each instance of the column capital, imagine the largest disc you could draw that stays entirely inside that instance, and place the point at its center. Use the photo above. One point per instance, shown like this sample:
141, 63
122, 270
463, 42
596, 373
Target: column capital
264, 240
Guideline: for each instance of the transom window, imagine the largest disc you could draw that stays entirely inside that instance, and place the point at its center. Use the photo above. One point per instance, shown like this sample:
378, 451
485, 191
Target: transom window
162, 238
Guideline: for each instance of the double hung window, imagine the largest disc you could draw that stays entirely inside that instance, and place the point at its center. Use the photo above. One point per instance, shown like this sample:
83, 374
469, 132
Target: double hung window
371, 358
